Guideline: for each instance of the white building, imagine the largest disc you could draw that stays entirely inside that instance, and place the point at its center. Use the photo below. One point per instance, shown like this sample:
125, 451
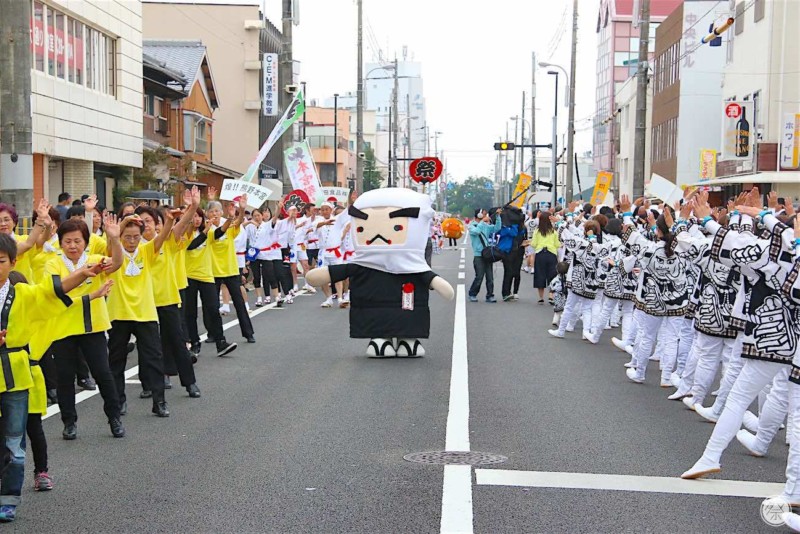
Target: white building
626, 131
85, 67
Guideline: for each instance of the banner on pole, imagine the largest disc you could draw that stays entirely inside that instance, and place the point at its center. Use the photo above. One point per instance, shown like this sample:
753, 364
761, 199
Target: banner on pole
290, 116
601, 187
301, 169
523, 183
708, 164
790, 141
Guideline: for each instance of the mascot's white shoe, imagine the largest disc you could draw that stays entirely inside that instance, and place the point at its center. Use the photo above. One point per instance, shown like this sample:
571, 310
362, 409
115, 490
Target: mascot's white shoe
409, 348
381, 348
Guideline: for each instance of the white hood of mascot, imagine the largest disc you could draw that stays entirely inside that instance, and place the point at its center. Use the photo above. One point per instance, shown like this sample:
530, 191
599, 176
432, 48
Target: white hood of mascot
400, 246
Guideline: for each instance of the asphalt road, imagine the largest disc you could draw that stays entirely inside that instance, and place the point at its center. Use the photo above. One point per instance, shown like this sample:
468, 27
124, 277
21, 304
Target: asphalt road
302, 433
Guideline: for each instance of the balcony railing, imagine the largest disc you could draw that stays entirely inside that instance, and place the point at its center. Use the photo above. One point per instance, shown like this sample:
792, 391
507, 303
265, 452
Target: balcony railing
326, 141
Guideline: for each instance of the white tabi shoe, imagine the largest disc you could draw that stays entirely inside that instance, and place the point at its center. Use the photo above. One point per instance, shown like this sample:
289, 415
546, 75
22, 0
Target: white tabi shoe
631, 364
633, 377
381, 348
555, 333
750, 443
750, 421
689, 403
409, 348
570, 328
622, 346
655, 358
707, 413
679, 395
702, 468
675, 380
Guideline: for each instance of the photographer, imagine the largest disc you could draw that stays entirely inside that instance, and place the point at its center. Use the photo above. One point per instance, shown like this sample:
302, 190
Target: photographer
481, 233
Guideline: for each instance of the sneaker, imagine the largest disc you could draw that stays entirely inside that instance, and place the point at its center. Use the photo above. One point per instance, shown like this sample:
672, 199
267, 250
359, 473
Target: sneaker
289, 299
225, 309
473, 299
508, 298
267, 300
327, 304
196, 349
344, 303
8, 513
295, 289
224, 348
259, 303
42, 482
193, 391
70, 431
117, 430
491, 300
87, 384
555, 333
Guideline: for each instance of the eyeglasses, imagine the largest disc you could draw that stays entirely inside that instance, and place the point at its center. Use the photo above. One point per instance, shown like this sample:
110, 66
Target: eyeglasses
7, 220
131, 237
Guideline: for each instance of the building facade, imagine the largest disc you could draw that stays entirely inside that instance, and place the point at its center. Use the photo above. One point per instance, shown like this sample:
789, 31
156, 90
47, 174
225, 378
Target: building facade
625, 131
334, 168
82, 99
686, 82
617, 60
231, 33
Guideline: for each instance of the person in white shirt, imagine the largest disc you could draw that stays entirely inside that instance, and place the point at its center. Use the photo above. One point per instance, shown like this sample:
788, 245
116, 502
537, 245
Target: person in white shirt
261, 237
330, 239
312, 237
297, 245
284, 230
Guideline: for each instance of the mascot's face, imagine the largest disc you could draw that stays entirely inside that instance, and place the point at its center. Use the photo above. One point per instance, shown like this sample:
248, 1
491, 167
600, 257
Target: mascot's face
382, 225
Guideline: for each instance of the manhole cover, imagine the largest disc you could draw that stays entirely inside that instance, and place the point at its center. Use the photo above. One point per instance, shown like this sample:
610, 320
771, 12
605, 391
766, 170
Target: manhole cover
455, 458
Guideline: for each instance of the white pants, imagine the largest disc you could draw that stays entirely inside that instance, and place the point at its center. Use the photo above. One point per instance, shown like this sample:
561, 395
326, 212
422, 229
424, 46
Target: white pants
575, 307
754, 376
616, 314
631, 333
709, 354
597, 310
649, 326
601, 316
793, 428
773, 413
732, 353
685, 343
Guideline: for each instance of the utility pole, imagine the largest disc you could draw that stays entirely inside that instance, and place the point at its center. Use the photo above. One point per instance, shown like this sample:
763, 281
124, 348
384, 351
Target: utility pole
641, 103
514, 152
16, 182
389, 159
286, 77
360, 104
408, 138
336, 139
571, 117
395, 96
533, 114
522, 138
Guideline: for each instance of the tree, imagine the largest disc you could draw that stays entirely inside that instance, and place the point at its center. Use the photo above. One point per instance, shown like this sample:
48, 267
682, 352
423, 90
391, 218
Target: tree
372, 177
465, 198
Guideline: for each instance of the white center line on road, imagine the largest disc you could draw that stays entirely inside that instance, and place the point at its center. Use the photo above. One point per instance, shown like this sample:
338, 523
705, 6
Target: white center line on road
540, 479
461, 276
457, 483
133, 371
463, 252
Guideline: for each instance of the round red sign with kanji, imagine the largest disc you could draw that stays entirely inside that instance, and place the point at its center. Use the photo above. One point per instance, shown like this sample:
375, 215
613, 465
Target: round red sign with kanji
296, 198
733, 110
425, 170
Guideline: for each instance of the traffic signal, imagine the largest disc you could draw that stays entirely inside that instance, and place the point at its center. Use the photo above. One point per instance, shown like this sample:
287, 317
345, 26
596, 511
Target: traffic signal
505, 145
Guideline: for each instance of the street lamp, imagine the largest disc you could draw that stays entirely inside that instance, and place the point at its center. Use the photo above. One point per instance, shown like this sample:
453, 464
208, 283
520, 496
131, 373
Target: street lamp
336, 139
568, 100
553, 166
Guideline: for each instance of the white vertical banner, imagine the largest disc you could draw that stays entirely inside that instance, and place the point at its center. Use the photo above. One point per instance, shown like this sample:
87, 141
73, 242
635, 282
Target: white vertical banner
269, 70
790, 141
301, 169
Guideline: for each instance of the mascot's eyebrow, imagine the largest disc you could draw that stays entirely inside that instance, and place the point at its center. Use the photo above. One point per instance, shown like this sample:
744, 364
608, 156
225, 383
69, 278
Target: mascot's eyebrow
357, 213
405, 212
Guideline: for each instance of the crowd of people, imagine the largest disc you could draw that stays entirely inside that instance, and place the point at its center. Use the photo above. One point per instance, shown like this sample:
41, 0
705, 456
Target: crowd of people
88, 286
707, 293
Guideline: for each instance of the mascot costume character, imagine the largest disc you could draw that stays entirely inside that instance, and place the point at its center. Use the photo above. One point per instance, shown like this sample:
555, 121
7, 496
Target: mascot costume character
389, 278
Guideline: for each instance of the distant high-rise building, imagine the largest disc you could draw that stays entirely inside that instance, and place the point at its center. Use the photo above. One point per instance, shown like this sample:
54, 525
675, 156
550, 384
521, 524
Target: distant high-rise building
617, 60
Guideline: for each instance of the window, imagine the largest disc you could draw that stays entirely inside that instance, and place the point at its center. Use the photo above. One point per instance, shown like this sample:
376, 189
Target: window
68, 49
759, 9
200, 142
195, 133
152, 105
738, 25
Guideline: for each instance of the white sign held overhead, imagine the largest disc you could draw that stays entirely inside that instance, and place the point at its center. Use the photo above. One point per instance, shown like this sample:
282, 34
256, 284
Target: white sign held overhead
661, 188
256, 194
269, 70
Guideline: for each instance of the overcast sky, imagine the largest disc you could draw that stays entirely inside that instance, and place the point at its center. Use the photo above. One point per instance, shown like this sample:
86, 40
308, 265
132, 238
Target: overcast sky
476, 61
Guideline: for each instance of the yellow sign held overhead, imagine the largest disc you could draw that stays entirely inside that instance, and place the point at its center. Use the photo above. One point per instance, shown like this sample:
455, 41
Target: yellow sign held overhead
601, 187
523, 183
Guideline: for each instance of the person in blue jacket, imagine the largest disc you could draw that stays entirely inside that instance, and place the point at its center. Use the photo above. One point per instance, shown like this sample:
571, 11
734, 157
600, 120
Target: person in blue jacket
481, 233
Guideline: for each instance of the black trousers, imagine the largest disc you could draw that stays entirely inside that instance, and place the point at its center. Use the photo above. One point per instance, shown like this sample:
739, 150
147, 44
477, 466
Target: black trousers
38, 442
482, 268
452, 242
151, 362
234, 285
313, 257
95, 349
512, 267
209, 296
283, 273
177, 360
263, 270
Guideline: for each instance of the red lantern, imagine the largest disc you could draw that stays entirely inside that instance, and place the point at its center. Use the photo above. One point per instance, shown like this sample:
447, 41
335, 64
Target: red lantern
425, 170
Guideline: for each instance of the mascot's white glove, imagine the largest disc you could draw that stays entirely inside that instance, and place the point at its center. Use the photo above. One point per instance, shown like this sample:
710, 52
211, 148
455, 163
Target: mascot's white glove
443, 287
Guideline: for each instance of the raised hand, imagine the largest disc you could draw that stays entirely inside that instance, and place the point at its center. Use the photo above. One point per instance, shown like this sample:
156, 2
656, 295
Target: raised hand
668, 217
686, 210
231, 211
749, 210
772, 200
211, 194
754, 198
651, 219
243, 203
111, 225
90, 203
625, 203
171, 215
796, 226
187, 196
700, 207
789, 208
103, 292
195, 196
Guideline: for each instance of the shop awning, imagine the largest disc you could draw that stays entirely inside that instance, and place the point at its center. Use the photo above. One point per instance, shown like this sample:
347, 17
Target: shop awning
784, 177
